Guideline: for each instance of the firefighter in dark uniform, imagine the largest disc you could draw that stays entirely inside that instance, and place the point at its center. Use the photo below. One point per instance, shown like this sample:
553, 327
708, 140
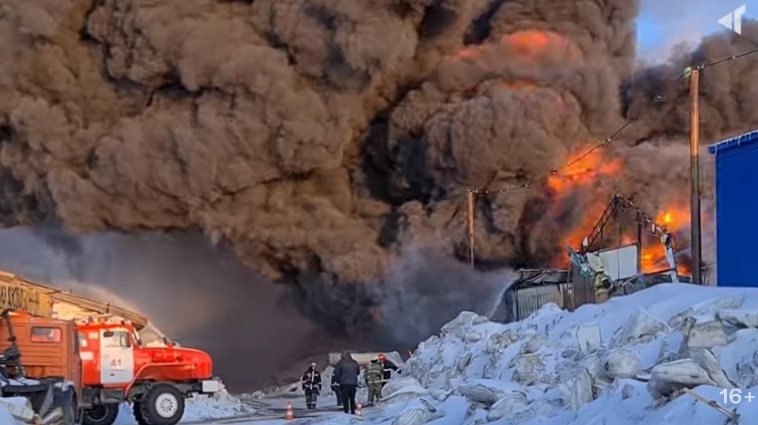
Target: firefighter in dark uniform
388, 367
311, 383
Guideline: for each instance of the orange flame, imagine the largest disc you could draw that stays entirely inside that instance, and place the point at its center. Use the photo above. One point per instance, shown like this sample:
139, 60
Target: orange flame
535, 45
653, 253
529, 45
674, 219
581, 170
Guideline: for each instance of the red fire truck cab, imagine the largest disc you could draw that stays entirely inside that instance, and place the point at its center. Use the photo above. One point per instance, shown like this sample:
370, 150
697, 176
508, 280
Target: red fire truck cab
117, 368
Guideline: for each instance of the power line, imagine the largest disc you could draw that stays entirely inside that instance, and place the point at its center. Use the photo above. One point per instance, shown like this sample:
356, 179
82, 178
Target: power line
556, 173
731, 58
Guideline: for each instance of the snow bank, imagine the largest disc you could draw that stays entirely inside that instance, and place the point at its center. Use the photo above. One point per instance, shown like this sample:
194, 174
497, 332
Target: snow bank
198, 408
221, 405
631, 360
6, 418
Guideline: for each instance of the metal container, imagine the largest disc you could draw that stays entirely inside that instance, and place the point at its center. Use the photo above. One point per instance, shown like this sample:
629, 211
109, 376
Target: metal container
531, 291
528, 300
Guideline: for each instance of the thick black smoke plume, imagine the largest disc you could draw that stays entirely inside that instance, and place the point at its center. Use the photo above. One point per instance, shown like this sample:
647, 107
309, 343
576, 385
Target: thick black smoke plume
319, 139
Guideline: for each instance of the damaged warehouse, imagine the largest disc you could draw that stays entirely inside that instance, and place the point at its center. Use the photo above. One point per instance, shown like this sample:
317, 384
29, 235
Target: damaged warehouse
608, 262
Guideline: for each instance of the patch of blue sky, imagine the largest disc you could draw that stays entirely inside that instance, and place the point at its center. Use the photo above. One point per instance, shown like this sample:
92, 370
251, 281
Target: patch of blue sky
663, 24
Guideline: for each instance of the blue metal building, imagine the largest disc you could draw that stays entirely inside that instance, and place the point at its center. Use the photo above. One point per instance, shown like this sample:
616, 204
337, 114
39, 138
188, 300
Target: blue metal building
737, 210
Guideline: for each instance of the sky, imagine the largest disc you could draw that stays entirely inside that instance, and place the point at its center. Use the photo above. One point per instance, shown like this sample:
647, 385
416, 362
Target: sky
662, 24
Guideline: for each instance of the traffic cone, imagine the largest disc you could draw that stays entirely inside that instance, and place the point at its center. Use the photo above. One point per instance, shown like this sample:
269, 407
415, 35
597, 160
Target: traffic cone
288, 415
359, 409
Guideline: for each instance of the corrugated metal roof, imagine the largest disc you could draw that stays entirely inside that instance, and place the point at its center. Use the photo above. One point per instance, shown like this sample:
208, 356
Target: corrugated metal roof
534, 277
734, 142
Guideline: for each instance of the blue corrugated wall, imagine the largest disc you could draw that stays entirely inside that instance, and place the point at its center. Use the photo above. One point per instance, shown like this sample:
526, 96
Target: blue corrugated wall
737, 212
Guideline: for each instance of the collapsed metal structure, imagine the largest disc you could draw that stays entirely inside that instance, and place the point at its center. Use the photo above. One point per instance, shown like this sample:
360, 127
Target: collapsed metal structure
596, 271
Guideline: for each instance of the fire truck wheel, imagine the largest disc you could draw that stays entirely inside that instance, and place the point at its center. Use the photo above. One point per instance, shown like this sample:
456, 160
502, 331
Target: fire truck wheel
100, 415
137, 409
162, 404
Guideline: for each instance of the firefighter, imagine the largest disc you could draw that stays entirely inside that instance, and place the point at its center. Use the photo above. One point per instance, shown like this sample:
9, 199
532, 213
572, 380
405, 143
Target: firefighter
347, 371
374, 378
387, 368
336, 389
311, 383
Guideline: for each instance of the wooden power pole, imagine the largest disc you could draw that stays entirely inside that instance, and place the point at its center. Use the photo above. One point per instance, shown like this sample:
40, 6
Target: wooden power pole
470, 222
695, 239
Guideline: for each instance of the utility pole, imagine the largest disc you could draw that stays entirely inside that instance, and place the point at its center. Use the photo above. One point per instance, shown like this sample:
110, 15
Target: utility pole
695, 177
470, 222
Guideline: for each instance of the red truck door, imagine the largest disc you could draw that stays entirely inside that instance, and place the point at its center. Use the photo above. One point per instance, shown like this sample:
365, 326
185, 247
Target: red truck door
116, 357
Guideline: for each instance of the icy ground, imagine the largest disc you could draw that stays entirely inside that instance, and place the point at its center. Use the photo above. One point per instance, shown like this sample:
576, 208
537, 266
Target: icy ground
628, 361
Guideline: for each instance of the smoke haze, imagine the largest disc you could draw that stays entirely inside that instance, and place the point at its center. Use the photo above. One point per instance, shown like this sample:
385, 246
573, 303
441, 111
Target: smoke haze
419, 299
320, 140
197, 294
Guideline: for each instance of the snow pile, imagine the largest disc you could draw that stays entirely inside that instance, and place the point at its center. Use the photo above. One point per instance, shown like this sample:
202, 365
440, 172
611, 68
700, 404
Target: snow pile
6, 418
199, 408
642, 358
221, 405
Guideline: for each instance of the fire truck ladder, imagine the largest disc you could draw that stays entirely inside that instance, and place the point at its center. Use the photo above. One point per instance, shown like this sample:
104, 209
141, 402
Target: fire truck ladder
644, 222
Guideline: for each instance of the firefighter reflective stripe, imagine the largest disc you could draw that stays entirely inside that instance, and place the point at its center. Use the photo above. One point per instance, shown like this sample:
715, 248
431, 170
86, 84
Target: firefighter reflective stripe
309, 380
374, 373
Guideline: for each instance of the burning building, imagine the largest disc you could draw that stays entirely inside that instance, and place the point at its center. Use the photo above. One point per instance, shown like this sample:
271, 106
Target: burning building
736, 210
626, 250
320, 141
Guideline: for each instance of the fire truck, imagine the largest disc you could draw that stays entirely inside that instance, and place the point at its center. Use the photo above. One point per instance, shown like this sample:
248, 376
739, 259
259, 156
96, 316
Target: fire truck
114, 364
